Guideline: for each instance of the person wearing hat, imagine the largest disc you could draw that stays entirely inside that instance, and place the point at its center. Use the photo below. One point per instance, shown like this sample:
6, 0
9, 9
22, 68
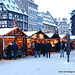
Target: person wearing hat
15, 48
9, 51
48, 49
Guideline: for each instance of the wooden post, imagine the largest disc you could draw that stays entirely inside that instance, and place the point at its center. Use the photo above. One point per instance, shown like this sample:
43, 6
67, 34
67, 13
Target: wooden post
3, 50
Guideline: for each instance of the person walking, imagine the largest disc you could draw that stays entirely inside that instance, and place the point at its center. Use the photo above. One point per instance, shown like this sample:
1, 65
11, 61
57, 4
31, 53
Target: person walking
37, 48
57, 47
9, 51
15, 48
33, 48
43, 48
48, 49
62, 49
24, 48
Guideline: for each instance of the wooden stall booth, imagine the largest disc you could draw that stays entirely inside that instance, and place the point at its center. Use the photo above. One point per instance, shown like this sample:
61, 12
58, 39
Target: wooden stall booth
33, 37
11, 35
53, 38
72, 40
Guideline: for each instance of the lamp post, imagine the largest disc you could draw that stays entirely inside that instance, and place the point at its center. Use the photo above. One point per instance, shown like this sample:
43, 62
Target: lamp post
68, 45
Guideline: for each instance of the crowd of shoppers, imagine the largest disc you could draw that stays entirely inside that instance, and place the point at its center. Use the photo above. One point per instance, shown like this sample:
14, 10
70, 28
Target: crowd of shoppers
13, 48
36, 47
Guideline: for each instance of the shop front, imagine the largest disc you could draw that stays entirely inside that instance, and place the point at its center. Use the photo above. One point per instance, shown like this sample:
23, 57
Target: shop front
40, 36
53, 40
10, 36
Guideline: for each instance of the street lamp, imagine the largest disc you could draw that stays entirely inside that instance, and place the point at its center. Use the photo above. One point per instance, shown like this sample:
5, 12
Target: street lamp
68, 45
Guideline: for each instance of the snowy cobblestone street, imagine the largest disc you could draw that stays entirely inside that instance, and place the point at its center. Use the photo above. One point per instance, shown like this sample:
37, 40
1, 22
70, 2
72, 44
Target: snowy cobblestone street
39, 66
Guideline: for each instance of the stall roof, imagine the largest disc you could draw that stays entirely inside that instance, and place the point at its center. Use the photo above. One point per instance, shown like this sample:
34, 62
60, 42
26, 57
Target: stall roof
62, 36
56, 36
72, 37
31, 33
49, 34
52, 35
4, 31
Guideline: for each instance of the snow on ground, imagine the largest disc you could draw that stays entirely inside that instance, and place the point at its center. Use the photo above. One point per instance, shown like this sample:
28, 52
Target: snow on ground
39, 66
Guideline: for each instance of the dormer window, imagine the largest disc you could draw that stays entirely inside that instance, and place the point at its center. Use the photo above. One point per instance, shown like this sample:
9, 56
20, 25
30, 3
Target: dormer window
17, 8
13, 7
9, 1
7, 5
13, 2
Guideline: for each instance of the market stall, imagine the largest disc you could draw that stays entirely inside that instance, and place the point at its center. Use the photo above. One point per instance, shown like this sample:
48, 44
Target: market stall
53, 40
33, 37
11, 35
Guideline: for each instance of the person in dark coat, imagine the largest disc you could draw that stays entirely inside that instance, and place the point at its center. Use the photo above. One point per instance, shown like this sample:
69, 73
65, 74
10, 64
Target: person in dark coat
24, 48
15, 48
56, 47
9, 51
62, 46
70, 46
43, 48
33, 48
37, 48
48, 49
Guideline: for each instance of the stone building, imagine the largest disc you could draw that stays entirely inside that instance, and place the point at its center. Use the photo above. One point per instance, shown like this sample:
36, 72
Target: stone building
31, 9
63, 27
49, 24
10, 12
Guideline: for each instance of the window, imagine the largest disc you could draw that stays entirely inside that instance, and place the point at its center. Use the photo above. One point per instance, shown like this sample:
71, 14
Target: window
25, 26
3, 24
10, 23
25, 18
17, 16
0, 7
4, 15
9, 1
10, 15
21, 18
7, 5
13, 2
13, 7
46, 27
17, 8
4, 8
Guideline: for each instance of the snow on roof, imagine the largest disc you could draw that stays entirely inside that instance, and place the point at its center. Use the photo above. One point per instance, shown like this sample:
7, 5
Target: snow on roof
72, 37
47, 19
30, 33
70, 27
49, 34
12, 6
4, 31
62, 36
49, 24
0, 1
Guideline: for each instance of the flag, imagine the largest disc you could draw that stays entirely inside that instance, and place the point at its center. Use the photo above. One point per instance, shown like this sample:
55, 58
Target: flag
15, 22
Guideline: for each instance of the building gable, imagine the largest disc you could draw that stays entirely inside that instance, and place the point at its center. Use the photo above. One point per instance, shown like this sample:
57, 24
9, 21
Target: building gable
16, 32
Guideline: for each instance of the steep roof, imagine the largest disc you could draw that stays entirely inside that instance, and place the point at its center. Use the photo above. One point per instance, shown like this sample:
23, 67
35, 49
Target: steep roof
5, 31
11, 5
47, 18
32, 33
63, 23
